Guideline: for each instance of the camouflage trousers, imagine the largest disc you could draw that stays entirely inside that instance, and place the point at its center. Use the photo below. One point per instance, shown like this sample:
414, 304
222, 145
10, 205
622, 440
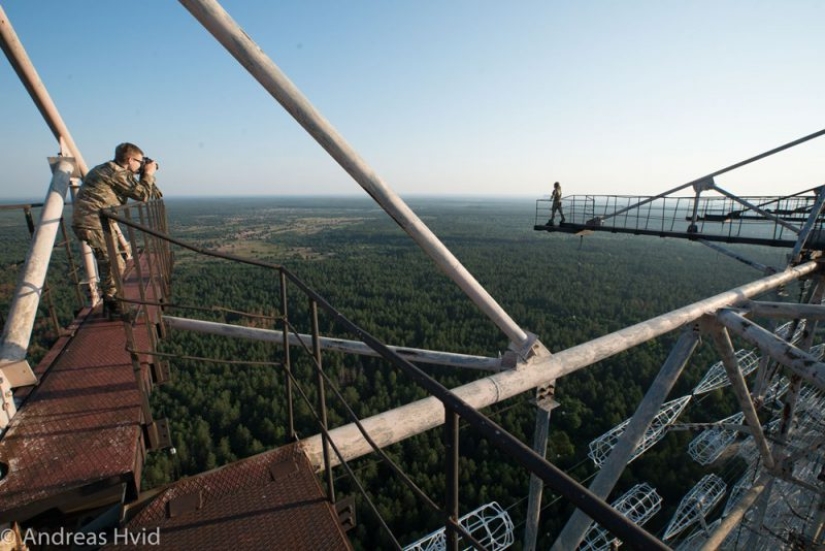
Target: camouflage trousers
96, 241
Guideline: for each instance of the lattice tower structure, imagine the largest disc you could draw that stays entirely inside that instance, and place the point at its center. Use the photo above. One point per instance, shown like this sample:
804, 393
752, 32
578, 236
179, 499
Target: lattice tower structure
600, 447
696, 504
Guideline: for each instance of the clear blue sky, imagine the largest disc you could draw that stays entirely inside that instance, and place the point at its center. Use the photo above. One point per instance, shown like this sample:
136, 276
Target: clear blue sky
452, 97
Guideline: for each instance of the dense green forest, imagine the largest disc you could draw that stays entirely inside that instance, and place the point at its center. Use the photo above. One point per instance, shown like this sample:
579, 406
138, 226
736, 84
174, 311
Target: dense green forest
563, 288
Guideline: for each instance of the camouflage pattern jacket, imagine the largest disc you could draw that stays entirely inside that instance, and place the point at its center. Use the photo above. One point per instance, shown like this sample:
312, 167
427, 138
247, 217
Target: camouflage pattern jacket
109, 185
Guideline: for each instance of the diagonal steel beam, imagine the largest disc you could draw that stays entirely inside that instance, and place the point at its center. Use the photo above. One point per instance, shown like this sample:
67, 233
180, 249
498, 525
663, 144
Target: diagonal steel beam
801, 363
220, 24
734, 518
615, 464
785, 310
721, 340
758, 209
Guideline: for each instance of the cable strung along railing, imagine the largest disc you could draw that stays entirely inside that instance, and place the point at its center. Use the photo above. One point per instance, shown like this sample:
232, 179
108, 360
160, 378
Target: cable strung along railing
149, 233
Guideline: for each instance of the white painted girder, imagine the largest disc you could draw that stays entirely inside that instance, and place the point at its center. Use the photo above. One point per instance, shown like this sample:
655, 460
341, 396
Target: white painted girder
709, 445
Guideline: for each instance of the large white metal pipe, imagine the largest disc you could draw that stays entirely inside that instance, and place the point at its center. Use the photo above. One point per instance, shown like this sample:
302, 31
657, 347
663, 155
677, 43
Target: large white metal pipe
215, 19
17, 332
23, 309
414, 418
801, 363
785, 310
808, 227
331, 344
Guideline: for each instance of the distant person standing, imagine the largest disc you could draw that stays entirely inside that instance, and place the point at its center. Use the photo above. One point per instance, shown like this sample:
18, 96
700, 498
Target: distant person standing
556, 197
108, 185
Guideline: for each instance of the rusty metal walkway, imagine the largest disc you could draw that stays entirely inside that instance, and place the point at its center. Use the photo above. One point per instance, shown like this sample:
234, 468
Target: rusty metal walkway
269, 501
78, 439
79, 433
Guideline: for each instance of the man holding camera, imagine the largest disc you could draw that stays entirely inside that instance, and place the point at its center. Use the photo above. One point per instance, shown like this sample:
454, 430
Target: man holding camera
109, 185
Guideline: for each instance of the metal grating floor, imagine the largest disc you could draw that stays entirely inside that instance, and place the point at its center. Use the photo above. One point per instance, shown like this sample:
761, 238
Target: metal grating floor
77, 441
270, 501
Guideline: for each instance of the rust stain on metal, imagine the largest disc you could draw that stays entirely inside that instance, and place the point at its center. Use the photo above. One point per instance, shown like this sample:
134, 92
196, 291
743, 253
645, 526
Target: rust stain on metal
244, 502
80, 426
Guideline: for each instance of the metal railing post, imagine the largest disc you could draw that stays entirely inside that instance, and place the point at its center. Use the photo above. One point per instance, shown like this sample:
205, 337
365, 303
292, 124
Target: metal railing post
291, 435
111, 237
70, 260
127, 213
451, 458
322, 402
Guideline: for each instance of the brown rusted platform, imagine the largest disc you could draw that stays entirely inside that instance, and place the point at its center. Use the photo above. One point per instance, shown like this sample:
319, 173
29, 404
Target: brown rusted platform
78, 444
77, 441
270, 501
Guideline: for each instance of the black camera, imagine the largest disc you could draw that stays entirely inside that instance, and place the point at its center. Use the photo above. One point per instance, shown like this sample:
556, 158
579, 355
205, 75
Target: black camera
144, 162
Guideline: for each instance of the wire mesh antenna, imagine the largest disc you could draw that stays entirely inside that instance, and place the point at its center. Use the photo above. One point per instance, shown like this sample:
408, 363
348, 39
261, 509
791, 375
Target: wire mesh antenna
711, 443
601, 447
783, 331
748, 361
779, 387
716, 377
811, 402
490, 525
697, 504
639, 504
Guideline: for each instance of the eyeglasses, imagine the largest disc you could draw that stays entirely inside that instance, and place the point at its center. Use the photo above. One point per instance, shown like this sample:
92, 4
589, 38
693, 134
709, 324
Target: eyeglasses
139, 161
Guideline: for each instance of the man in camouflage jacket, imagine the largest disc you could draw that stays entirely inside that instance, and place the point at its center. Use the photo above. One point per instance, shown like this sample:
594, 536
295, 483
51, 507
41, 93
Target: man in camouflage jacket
108, 185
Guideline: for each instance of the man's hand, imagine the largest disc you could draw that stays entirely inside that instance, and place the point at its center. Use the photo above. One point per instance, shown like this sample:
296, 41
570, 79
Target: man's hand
150, 168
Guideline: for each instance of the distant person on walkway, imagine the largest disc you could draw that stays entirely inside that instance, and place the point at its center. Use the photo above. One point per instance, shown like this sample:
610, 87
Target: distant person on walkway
556, 197
109, 185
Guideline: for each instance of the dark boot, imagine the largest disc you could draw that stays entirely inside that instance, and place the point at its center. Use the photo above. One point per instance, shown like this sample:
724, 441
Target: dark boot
111, 308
